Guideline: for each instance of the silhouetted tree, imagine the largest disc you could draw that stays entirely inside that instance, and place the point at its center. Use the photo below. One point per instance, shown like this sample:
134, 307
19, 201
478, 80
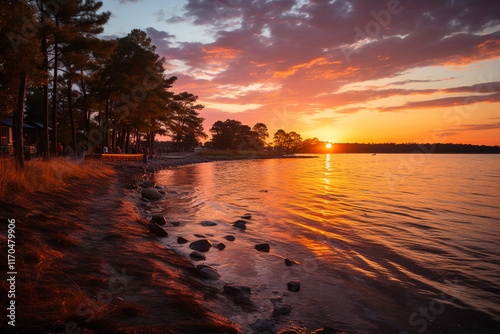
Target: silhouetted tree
231, 134
261, 134
185, 124
289, 141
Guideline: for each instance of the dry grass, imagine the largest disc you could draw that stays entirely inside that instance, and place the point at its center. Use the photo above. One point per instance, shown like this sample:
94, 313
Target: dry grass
50, 177
44, 236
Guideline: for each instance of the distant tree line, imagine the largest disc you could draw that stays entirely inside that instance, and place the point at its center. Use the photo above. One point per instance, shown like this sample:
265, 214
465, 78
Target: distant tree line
233, 135
413, 148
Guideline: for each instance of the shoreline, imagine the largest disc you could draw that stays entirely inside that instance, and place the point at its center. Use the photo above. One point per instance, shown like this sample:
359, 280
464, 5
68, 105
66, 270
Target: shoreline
188, 158
86, 263
246, 316
252, 313
113, 277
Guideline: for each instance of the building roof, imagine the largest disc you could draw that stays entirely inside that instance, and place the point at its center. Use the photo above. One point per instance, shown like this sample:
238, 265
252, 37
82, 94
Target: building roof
36, 124
8, 122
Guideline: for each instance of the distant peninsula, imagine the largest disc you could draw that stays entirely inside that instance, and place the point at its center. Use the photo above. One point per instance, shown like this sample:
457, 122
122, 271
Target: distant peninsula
414, 148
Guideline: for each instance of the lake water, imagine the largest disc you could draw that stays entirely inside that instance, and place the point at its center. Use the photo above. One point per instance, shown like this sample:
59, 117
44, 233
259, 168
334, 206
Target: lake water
385, 243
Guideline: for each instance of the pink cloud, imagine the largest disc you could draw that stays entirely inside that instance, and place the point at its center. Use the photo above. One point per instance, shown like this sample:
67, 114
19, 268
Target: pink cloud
302, 50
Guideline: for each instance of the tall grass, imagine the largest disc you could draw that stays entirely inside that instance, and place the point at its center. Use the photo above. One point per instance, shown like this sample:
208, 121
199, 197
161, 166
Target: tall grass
16, 185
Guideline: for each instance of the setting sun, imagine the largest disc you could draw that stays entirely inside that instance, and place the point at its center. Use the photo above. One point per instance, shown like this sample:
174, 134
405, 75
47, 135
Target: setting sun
328, 146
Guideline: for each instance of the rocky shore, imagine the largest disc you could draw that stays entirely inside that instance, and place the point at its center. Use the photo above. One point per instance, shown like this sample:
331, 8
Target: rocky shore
238, 295
94, 263
160, 162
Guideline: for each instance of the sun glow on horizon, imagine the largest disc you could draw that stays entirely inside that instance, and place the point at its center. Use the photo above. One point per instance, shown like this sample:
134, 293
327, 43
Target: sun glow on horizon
328, 145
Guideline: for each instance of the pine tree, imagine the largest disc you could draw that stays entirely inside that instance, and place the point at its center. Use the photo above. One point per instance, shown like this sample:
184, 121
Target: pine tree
60, 23
186, 126
19, 60
133, 84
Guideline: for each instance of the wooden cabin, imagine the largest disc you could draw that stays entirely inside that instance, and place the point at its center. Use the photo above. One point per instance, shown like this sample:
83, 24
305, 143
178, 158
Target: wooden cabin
7, 137
32, 132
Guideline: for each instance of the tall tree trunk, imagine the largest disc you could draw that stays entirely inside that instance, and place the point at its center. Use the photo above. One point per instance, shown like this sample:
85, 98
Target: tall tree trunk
45, 107
54, 96
106, 123
113, 137
72, 116
152, 141
127, 142
18, 124
122, 138
118, 137
137, 140
85, 108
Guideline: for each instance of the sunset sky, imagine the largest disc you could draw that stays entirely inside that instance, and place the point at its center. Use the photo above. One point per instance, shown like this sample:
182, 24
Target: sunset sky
342, 71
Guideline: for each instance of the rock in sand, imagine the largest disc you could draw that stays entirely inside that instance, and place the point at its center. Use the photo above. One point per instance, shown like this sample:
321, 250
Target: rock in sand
197, 256
239, 293
263, 248
148, 184
294, 286
263, 326
241, 224
209, 273
181, 240
282, 308
208, 223
158, 219
246, 216
202, 245
151, 194
289, 262
220, 246
229, 238
155, 229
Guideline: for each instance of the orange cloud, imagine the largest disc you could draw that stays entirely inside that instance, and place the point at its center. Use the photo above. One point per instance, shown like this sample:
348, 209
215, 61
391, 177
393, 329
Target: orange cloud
294, 69
219, 53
